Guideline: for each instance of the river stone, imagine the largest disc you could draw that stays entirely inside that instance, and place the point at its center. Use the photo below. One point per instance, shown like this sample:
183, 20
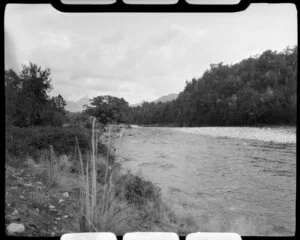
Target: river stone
66, 194
13, 228
15, 212
28, 185
15, 218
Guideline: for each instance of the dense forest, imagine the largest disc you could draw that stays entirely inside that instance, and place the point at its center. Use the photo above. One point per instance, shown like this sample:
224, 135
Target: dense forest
257, 90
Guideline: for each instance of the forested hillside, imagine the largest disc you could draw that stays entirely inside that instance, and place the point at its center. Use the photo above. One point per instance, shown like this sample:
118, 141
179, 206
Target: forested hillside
257, 90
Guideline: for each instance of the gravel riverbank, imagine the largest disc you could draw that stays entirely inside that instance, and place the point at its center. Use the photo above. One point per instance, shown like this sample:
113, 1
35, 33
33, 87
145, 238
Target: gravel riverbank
266, 134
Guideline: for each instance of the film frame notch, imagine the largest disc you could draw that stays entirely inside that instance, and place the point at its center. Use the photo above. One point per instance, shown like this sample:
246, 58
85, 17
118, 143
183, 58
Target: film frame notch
150, 2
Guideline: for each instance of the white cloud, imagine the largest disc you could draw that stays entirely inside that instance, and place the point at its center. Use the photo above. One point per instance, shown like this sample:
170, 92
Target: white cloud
190, 32
138, 56
51, 39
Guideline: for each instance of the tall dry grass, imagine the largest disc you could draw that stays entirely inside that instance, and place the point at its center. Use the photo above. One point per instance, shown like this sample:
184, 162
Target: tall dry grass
50, 167
100, 210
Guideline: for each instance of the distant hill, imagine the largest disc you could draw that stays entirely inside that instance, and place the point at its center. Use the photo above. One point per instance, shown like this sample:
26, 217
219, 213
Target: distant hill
167, 98
135, 105
77, 106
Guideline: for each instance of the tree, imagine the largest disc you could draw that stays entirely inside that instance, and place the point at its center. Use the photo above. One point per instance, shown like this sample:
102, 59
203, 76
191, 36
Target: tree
108, 109
36, 83
12, 91
59, 103
27, 99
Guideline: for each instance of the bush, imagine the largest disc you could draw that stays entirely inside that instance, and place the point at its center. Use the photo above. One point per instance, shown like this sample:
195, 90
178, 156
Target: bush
31, 141
137, 191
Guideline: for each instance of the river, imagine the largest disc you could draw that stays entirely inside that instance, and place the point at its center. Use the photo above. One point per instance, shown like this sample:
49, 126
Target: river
228, 179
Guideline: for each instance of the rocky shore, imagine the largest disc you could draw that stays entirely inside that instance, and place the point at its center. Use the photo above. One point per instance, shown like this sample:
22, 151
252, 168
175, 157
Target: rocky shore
32, 208
266, 134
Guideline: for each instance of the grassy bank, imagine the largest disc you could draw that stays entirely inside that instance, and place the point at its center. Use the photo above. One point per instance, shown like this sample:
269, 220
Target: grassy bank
61, 180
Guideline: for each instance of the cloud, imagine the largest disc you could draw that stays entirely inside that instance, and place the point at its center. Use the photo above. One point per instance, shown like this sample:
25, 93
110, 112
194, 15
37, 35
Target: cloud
138, 65
137, 56
114, 38
190, 32
50, 39
162, 38
10, 57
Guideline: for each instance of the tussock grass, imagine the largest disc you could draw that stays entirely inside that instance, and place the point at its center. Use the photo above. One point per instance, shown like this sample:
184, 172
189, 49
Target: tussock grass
100, 210
51, 168
117, 202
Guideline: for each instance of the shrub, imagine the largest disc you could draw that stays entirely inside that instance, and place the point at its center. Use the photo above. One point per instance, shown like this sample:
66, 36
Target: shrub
137, 191
30, 141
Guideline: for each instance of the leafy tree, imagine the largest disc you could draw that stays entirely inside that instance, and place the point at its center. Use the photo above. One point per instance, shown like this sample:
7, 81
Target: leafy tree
27, 99
12, 90
59, 103
108, 109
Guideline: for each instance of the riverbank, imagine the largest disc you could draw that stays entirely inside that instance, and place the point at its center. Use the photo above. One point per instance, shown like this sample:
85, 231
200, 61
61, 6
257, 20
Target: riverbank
284, 134
266, 134
46, 201
207, 125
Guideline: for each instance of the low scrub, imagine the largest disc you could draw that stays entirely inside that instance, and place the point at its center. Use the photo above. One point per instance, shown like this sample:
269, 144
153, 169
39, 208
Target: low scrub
31, 141
137, 191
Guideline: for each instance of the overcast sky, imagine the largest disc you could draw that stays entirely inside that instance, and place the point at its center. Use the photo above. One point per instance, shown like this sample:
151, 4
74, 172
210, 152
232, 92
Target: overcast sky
139, 56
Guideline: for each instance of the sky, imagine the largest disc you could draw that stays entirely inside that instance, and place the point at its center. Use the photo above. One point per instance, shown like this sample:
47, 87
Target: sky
139, 56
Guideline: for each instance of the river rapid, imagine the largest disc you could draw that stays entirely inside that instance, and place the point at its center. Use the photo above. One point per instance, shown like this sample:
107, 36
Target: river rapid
225, 179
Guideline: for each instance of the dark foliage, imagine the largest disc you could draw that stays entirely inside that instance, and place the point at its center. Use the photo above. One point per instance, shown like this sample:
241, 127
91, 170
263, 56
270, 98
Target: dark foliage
22, 142
260, 90
108, 109
27, 99
137, 191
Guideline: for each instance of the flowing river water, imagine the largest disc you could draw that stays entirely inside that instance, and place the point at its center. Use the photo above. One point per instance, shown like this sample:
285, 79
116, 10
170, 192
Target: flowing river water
226, 179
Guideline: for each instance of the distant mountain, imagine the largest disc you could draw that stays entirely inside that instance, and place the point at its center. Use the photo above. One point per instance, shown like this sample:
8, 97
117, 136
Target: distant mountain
77, 106
135, 105
167, 98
